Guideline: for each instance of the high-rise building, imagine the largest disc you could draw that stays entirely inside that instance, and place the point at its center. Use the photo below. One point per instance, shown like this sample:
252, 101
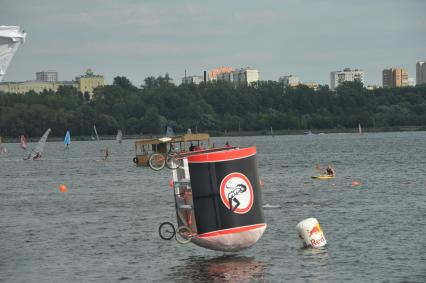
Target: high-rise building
47, 76
313, 85
216, 72
192, 80
395, 77
240, 76
421, 73
289, 80
89, 81
245, 76
347, 75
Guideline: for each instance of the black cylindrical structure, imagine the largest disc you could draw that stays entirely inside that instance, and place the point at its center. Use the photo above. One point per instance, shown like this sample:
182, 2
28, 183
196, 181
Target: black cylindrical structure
227, 197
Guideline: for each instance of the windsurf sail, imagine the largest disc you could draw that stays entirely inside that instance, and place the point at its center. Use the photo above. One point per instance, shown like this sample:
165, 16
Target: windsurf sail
119, 136
96, 132
11, 37
359, 129
37, 152
170, 132
24, 142
2, 147
67, 140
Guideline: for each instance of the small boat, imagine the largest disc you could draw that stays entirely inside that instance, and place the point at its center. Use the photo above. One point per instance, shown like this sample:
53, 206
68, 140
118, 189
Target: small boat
323, 177
146, 148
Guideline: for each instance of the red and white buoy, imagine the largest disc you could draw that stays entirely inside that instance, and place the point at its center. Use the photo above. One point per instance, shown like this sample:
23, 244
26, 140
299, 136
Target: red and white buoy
310, 233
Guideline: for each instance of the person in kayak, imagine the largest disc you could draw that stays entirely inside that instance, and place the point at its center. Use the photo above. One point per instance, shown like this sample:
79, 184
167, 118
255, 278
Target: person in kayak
330, 171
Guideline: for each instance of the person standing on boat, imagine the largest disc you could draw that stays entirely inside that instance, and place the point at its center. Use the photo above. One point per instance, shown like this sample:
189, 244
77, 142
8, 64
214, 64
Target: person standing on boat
191, 147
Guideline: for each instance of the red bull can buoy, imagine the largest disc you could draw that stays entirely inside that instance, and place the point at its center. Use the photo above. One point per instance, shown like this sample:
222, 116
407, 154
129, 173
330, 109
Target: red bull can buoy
310, 233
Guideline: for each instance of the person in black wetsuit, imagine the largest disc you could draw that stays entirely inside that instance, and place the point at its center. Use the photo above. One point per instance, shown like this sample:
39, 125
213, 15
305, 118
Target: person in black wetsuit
330, 171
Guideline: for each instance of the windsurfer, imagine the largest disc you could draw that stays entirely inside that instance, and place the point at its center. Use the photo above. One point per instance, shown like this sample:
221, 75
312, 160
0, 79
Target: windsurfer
106, 153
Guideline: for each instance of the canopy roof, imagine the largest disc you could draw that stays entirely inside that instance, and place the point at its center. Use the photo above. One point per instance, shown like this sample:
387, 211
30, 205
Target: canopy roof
175, 139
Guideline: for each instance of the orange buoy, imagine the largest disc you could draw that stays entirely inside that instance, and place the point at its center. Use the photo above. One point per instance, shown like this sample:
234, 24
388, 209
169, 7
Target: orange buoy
355, 183
63, 188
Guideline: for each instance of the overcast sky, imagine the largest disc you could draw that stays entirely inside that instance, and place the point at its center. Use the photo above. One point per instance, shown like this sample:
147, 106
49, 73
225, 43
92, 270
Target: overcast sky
137, 39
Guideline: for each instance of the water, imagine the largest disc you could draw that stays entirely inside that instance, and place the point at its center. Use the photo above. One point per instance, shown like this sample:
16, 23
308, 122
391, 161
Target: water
104, 229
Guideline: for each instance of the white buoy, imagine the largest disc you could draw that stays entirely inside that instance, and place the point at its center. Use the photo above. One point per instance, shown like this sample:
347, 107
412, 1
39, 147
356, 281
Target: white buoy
310, 233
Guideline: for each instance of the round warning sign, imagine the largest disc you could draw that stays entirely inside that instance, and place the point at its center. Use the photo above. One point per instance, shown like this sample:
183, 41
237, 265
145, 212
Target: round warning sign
236, 193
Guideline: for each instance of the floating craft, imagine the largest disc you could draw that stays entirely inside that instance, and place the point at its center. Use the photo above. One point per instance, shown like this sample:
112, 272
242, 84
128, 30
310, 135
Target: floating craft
323, 177
218, 200
310, 233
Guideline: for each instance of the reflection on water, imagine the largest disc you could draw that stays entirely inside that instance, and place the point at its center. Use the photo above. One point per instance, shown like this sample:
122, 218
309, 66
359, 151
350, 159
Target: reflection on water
316, 254
232, 268
314, 264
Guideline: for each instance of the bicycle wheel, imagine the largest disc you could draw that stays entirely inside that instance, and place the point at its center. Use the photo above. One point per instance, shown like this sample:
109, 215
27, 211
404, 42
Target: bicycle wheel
174, 161
157, 161
183, 235
166, 231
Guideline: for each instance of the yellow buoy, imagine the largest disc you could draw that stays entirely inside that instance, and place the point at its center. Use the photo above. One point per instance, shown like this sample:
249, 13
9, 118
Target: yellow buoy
63, 188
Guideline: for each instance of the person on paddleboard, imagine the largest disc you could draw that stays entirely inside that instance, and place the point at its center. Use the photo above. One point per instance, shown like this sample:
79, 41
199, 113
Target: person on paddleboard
329, 171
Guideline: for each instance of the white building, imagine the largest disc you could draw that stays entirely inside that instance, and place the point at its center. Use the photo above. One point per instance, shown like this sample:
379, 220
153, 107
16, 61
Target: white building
411, 81
192, 80
347, 75
240, 76
289, 80
420, 73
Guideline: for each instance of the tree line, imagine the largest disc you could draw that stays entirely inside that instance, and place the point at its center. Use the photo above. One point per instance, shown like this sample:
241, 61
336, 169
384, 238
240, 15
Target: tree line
214, 107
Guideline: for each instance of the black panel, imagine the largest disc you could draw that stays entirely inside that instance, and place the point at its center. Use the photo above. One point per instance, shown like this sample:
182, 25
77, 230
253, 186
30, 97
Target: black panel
210, 212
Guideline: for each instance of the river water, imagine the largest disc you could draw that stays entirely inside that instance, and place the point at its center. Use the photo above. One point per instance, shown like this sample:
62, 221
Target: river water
104, 229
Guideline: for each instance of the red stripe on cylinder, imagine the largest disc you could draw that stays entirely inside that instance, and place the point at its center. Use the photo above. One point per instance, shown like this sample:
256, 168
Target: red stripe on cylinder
224, 155
232, 230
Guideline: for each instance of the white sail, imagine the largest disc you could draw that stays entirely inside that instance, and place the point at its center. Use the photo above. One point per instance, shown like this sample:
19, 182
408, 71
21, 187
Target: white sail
10, 39
119, 136
38, 150
24, 143
170, 132
2, 147
96, 132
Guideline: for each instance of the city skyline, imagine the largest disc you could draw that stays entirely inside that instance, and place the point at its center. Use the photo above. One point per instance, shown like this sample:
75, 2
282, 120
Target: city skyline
137, 40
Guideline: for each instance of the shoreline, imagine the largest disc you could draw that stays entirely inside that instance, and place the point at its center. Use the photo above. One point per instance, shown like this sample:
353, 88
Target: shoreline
242, 133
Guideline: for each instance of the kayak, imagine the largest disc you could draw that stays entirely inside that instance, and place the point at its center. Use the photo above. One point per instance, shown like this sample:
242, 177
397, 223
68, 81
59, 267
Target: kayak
323, 177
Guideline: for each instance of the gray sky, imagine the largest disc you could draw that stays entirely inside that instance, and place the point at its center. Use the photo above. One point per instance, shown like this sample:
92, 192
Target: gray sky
138, 39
